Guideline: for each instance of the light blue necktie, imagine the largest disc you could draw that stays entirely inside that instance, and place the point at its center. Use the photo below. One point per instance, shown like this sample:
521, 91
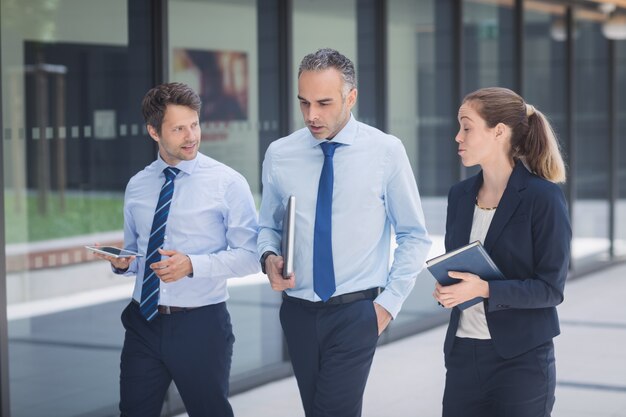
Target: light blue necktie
323, 267
150, 287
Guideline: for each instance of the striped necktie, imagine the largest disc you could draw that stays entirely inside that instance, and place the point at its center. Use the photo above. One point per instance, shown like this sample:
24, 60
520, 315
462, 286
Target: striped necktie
150, 287
323, 266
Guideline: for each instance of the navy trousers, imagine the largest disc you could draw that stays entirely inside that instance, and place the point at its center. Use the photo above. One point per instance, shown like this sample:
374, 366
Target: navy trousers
193, 348
479, 383
331, 349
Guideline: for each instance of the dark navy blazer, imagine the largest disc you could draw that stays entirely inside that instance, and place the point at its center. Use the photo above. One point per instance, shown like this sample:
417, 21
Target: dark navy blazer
529, 239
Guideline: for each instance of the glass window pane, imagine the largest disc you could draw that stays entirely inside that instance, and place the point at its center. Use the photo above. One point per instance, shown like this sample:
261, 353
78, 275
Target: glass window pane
488, 44
544, 62
488, 48
321, 24
620, 209
545, 81
421, 112
591, 154
219, 60
72, 137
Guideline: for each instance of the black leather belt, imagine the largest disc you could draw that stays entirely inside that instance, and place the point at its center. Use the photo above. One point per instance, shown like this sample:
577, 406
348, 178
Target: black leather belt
168, 309
350, 297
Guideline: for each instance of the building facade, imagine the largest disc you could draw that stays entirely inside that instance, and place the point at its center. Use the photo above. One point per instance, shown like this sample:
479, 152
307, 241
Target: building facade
73, 73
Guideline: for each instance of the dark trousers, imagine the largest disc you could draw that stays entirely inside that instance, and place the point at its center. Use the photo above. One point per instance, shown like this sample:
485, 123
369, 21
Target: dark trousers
193, 348
331, 349
479, 383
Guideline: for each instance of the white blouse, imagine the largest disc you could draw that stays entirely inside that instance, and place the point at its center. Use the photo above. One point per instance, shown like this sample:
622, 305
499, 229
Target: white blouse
473, 323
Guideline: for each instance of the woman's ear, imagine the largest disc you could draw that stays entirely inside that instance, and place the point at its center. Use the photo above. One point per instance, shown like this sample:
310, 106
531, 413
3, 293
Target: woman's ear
501, 131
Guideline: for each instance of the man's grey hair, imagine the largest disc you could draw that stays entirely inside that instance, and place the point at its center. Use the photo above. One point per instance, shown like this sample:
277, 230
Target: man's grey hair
329, 58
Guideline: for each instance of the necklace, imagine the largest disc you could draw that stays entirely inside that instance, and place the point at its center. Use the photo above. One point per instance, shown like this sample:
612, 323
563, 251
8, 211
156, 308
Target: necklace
484, 208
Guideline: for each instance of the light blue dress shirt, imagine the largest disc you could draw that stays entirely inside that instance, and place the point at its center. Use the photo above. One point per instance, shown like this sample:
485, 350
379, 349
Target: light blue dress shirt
212, 219
374, 189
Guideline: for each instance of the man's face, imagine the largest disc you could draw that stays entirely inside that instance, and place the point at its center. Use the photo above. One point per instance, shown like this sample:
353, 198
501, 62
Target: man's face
324, 110
180, 134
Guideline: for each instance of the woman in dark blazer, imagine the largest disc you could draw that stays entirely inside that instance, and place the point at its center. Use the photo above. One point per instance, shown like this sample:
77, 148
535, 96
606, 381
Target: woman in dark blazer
499, 354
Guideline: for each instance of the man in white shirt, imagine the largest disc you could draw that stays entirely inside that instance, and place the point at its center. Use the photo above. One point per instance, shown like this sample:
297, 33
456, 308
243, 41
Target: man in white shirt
352, 183
194, 220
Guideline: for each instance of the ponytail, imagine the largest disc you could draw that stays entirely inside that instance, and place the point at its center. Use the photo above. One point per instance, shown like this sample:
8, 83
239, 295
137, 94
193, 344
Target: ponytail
540, 149
532, 137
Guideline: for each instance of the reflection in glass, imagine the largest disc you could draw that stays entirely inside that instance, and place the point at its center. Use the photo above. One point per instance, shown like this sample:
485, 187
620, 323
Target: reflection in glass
488, 48
591, 136
422, 114
219, 60
68, 109
545, 82
488, 44
544, 69
219, 77
620, 209
321, 24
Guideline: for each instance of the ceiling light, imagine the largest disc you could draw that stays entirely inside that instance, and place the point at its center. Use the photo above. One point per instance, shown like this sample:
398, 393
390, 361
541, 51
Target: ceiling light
607, 8
614, 27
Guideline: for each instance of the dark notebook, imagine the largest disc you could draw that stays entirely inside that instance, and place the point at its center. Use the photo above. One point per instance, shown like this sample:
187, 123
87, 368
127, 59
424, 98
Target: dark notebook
469, 258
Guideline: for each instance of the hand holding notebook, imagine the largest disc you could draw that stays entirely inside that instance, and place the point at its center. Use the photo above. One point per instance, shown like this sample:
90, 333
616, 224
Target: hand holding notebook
471, 258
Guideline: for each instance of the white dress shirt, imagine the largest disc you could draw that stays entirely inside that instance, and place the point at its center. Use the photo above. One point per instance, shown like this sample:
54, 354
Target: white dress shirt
473, 323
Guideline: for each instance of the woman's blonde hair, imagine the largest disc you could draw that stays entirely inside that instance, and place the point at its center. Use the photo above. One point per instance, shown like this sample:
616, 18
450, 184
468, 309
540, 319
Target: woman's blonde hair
532, 137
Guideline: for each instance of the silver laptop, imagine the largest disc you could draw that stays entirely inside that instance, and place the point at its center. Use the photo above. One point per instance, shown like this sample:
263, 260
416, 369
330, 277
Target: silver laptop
289, 236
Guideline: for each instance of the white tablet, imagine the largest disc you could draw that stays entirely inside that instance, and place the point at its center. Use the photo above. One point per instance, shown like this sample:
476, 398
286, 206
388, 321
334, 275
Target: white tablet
113, 251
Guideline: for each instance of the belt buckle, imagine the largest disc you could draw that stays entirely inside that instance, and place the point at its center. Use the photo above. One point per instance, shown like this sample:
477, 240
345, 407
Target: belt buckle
167, 310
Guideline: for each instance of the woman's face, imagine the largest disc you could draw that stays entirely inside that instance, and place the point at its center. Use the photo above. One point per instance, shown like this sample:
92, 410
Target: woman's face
476, 140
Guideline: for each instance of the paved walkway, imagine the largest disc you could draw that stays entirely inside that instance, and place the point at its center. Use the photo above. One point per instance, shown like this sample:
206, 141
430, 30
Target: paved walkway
407, 376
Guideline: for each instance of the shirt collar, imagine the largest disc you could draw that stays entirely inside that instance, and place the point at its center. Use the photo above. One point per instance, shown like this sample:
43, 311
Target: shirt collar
345, 136
186, 166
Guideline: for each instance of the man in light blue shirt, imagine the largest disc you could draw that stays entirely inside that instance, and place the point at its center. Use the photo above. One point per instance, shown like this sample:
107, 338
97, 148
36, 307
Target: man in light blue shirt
348, 199
177, 325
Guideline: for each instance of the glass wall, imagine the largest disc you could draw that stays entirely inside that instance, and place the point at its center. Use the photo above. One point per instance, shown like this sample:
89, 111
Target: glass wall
545, 67
488, 29
73, 74
219, 60
488, 48
591, 143
421, 112
620, 208
321, 24
545, 83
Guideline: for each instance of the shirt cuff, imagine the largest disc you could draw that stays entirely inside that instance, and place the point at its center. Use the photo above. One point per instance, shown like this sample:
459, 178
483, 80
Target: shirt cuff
200, 265
390, 302
269, 249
